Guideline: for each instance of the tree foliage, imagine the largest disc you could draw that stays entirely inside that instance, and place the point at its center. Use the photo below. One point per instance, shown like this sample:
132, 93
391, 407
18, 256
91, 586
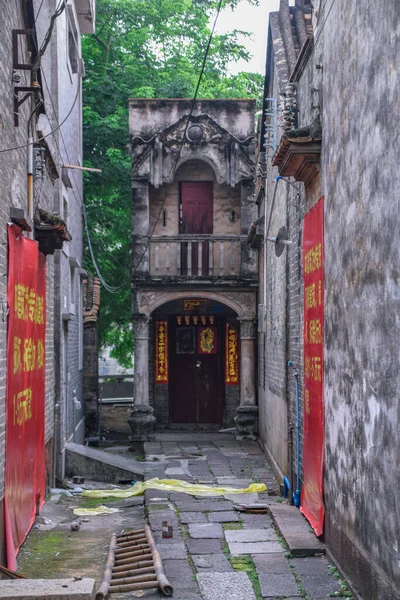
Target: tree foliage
151, 49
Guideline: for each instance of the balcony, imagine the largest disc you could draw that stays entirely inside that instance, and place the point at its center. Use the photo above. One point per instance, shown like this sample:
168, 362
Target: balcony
196, 256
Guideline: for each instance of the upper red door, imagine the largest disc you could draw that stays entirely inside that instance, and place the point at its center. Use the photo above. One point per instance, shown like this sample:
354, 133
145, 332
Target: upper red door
197, 206
196, 218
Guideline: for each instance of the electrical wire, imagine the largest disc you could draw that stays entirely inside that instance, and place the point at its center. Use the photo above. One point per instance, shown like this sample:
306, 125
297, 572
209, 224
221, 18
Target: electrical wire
47, 134
183, 137
323, 24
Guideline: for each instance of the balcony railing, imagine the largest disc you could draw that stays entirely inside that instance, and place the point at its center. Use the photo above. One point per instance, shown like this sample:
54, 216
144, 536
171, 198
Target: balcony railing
195, 256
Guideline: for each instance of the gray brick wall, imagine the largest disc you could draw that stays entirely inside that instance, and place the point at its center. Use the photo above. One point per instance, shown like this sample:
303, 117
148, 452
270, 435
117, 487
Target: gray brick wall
13, 176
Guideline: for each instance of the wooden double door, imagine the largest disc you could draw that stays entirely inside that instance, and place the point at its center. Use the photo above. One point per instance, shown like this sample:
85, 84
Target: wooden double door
196, 372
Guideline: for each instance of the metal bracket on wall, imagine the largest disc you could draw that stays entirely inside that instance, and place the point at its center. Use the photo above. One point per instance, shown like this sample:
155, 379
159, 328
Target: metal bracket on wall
17, 66
17, 102
270, 126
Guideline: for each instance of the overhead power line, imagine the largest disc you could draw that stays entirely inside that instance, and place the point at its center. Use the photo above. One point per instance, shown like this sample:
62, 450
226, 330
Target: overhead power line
183, 137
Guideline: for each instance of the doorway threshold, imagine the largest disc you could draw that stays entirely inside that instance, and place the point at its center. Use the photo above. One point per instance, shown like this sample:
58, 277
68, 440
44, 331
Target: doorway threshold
192, 435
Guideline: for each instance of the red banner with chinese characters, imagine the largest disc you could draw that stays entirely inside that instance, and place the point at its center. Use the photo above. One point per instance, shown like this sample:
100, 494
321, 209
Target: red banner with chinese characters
313, 451
232, 356
161, 352
25, 473
207, 340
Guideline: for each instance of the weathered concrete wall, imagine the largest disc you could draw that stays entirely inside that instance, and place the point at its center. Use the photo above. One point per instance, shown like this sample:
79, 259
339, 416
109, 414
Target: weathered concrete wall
361, 180
151, 115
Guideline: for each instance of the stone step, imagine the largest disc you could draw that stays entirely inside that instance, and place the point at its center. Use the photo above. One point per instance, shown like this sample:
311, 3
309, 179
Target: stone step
295, 530
47, 589
101, 466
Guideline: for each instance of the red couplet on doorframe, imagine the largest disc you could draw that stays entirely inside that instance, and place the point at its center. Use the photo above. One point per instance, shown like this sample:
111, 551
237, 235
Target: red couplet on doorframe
25, 474
312, 505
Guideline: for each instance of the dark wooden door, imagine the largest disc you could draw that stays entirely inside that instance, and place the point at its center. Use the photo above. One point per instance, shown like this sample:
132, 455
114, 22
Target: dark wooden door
196, 218
195, 380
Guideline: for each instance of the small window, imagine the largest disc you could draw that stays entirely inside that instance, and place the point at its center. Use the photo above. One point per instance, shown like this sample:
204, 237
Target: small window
164, 218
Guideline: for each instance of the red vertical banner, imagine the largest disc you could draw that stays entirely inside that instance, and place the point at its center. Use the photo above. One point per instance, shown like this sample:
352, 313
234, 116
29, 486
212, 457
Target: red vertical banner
313, 449
231, 356
161, 346
25, 473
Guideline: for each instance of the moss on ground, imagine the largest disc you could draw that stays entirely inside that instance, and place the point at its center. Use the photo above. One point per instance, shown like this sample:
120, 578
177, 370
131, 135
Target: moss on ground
230, 526
246, 564
89, 502
46, 553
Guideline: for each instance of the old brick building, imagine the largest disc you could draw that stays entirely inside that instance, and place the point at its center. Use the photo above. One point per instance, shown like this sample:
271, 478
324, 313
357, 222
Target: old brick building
41, 133
329, 293
194, 277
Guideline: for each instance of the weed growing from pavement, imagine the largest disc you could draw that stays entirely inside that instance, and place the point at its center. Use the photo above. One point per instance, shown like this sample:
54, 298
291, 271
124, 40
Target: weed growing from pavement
302, 591
230, 526
88, 502
246, 564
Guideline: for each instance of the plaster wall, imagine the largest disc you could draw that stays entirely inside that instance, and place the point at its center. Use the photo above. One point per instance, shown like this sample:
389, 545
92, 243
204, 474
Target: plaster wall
361, 180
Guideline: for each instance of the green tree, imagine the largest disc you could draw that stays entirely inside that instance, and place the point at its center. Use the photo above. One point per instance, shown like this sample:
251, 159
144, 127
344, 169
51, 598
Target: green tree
149, 49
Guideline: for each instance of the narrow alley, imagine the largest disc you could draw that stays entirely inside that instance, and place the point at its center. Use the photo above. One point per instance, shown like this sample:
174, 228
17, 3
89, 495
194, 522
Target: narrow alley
216, 552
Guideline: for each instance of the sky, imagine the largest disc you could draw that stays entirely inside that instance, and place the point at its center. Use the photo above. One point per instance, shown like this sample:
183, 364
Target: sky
253, 19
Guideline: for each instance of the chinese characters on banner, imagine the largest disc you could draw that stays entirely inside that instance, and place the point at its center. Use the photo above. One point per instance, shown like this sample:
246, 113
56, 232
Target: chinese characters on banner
232, 357
161, 352
313, 451
25, 476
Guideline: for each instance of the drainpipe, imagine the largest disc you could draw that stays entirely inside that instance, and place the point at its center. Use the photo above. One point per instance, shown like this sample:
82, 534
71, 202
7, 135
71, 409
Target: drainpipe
296, 494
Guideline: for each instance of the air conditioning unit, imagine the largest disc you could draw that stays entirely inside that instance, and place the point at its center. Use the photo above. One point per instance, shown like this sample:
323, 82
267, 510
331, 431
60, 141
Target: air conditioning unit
262, 323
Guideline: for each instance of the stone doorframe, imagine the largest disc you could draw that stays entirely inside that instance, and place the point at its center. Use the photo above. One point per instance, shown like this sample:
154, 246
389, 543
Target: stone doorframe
141, 419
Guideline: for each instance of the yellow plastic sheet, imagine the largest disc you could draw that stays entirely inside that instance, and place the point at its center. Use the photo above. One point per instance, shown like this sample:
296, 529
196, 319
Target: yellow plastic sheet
173, 485
93, 512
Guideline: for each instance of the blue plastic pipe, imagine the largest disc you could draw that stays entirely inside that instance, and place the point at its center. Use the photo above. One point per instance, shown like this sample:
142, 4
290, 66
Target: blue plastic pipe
296, 494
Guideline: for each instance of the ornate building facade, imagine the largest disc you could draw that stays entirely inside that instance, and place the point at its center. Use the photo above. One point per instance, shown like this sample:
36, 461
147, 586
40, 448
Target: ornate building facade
194, 277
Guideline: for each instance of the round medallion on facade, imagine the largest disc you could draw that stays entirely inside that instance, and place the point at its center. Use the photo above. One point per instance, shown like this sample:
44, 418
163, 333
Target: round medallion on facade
195, 133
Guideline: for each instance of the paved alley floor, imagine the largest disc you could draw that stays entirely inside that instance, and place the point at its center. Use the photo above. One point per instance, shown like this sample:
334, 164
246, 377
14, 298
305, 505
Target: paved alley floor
217, 553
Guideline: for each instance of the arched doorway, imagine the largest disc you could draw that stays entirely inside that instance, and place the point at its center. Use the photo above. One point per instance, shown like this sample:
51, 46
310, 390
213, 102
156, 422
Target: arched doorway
194, 388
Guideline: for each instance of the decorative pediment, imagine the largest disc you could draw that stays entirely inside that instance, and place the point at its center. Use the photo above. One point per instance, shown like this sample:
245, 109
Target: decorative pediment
158, 157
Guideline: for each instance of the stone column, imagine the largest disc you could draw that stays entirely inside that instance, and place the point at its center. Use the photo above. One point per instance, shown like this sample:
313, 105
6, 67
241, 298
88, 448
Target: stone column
140, 228
141, 418
247, 413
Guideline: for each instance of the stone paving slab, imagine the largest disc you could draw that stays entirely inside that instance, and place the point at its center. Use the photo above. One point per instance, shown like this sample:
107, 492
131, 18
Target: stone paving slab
295, 530
255, 521
215, 505
177, 568
234, 482
237, 548
220, 586
192, 517
320, 586
191, 506
250, 535
211, 563
311, 565
223, 517
250, 498
204, 546
207, 530
275, 564
172, 551
47, 589
278, 585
